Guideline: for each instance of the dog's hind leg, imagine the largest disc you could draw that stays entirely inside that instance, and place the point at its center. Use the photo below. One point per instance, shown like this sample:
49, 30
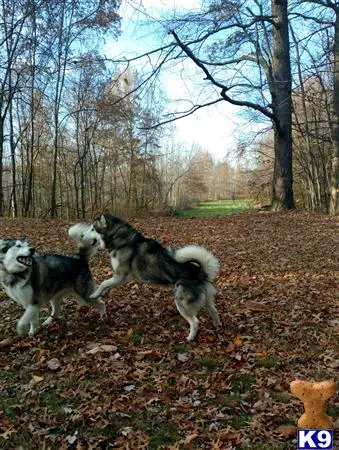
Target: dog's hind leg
31, 318
56, 310
99, 304
210, 306
192, 320
212, 310
187, 312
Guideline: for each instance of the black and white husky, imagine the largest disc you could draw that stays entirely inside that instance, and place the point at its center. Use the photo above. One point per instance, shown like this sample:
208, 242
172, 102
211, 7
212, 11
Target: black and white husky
190, 270
33, 280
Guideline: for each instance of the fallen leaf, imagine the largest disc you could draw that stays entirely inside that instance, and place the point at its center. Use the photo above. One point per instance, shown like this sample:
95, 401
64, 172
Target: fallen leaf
190, 438
129, 388
102, 348
287, 430
94, 350
256, 306
37, 379
71, 439
53, 364
130, 332
109, 348
183, 357
6, 435
126, 431
238, 341
6, 342
229, 348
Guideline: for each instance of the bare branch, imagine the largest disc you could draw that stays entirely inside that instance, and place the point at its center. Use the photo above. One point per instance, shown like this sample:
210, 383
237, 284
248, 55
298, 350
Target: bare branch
184, 114
143, 55
223, 88
326, 3
315, 19
249, 57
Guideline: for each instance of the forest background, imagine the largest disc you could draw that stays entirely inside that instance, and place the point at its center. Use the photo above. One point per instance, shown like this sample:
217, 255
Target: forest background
81, 131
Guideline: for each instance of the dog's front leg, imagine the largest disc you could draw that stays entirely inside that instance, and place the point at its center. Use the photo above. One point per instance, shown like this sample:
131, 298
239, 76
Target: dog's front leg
108, 284
30, 317
56, 309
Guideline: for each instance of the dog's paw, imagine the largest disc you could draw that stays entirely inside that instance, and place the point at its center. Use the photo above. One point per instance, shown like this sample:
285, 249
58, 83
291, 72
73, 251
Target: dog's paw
48, 321
21, 332
21, 329
217, 325
98, 293
32, 332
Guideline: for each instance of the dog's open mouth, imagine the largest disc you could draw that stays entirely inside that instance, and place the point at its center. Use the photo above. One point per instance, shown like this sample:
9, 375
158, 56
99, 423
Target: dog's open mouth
94, 242
25, 260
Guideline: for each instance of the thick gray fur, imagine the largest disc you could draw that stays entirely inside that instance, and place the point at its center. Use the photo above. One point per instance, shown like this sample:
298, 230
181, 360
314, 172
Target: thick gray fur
189, 270
33, 280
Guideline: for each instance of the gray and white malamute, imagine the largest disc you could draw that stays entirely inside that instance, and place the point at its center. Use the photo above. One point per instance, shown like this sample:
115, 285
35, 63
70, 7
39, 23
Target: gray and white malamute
190, 270
33, 280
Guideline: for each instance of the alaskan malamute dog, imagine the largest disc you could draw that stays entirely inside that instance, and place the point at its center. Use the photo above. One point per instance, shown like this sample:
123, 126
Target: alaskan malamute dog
32, 279
190, 270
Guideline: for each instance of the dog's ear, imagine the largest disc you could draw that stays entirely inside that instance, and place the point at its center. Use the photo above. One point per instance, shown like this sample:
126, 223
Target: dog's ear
102, 221
3, 246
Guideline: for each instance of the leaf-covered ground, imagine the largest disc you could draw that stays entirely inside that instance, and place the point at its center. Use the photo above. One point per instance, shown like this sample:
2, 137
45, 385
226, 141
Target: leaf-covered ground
133, 382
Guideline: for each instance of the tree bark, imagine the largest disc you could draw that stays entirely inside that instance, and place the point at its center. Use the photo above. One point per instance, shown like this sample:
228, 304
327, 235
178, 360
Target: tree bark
282, 195
334, 200
13, 207
1, 165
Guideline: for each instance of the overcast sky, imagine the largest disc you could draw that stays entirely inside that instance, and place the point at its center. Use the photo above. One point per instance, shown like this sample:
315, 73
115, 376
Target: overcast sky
216, 128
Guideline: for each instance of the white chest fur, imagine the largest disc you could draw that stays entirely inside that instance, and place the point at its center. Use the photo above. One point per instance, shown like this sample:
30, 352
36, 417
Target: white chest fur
114, 262
21, 293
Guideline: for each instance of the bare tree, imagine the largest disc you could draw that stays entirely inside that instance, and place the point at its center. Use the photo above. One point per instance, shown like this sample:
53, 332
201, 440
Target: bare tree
334, 204
266, 32
316, 15
13, 17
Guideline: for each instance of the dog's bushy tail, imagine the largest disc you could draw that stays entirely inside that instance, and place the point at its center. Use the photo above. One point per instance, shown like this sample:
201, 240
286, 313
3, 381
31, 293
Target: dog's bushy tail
86, 249
206, 259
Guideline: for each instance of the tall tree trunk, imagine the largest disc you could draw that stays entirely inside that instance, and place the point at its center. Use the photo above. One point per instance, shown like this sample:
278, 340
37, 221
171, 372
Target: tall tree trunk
28, 197
334, 200
63, 50
1, 165
282, 195
13, 206
54, 211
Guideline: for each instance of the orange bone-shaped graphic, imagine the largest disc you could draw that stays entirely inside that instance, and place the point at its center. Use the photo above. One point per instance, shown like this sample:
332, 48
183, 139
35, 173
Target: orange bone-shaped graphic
314, 396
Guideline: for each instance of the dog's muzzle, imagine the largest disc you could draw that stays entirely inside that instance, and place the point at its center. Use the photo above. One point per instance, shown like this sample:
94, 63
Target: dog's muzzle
26, 260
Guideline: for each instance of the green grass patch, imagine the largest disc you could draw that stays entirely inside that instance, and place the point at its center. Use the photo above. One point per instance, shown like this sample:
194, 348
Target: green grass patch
206, 362
11, 375
240, 421
54, 403
161, 434
181, 347
224, 401
270, 446
270, 362
333, 410
164, 434
282, 397
241, 382
137, 337
159, 366
217, 208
